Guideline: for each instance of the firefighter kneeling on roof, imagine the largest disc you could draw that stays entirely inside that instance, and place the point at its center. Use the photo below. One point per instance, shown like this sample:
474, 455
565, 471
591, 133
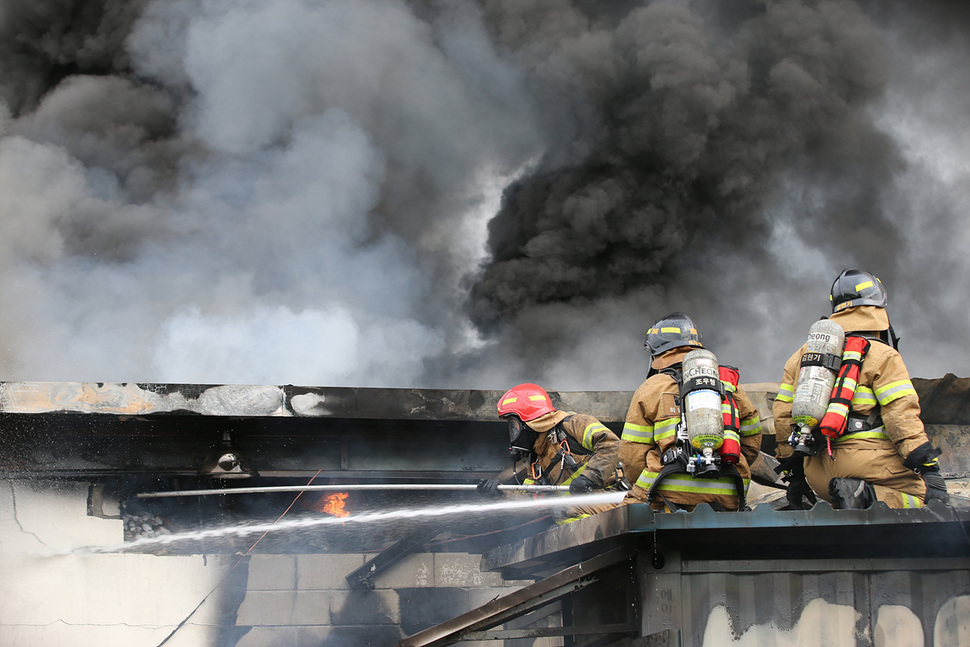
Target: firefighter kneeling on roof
864, 440
559, 448
691, 432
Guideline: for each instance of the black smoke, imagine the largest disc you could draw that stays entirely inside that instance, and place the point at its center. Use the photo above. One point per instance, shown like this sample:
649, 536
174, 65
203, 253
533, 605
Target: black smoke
468, 193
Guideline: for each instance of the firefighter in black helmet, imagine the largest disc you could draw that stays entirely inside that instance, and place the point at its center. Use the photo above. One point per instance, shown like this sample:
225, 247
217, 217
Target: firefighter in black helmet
870, 446
650, 449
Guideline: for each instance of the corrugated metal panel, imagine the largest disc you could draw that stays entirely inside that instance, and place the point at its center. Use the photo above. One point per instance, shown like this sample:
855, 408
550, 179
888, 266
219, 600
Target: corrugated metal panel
826, 608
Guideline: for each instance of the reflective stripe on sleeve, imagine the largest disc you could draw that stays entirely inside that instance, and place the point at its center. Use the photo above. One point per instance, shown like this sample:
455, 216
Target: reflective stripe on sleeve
637, 433
665, 429
786, 393
894, 391
863, 396
751, 426
591, 429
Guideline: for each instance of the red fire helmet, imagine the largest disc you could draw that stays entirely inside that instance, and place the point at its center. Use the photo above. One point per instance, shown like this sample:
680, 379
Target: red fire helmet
527, 401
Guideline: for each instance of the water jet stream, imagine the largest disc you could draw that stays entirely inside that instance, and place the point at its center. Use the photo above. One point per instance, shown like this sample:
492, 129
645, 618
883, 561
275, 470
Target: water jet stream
369, 517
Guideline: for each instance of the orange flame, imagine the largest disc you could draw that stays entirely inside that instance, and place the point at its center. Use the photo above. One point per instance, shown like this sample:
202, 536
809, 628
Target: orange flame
334, 505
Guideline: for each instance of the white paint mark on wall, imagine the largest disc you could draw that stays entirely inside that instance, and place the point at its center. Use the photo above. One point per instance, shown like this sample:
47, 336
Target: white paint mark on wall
821, 625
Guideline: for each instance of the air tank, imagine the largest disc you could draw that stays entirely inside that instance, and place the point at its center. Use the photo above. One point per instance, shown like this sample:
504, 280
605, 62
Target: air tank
701, 401
815, 380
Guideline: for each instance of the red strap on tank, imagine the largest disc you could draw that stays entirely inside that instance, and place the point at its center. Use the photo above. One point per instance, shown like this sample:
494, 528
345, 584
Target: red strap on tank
837, 415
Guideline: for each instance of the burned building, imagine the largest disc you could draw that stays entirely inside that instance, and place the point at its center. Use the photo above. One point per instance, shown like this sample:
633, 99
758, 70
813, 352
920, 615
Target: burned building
255, 516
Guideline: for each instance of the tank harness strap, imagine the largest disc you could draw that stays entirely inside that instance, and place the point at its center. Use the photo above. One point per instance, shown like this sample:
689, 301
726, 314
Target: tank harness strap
674, 463
825, 360
834, 422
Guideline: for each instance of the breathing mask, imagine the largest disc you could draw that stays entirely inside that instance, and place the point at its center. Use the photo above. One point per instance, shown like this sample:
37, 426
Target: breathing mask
522, 438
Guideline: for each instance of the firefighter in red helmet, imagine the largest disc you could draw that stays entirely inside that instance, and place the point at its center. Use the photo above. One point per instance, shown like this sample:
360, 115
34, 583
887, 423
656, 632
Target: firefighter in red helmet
671, 473
558, 447
870, 445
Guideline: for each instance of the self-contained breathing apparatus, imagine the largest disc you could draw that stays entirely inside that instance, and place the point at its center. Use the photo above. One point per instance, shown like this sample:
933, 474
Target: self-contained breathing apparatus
707, 441
827, 381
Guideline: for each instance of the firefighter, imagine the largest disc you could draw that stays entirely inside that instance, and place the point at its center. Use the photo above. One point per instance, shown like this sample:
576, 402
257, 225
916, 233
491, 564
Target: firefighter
558, 447
870, 446
652, 447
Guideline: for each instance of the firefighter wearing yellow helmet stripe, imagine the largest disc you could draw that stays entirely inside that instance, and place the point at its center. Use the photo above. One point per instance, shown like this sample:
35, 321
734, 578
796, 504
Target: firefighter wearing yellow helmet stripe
883, 453
652, 421
557, 448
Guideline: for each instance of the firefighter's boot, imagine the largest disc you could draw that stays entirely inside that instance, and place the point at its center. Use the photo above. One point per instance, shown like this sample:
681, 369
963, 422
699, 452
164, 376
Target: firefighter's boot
851, 494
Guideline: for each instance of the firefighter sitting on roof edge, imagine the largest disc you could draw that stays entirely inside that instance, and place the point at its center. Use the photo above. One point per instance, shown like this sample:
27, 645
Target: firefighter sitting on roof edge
559, 447
691, 432
866, 443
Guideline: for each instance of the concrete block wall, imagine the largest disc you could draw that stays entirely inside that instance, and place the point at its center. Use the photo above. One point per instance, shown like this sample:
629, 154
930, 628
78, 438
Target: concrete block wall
66, 580
304, 600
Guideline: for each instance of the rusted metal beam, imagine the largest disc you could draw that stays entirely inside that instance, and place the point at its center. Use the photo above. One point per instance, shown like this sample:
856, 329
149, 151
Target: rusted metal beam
518, 603
542, 632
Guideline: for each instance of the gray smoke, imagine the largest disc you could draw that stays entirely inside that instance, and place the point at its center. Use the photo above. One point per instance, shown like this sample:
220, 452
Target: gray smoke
468, 194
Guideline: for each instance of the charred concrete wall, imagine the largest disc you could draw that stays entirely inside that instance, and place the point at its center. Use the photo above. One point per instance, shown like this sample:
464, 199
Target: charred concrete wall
66, 578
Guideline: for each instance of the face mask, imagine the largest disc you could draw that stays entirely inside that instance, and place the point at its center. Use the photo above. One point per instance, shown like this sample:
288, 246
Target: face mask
521, 439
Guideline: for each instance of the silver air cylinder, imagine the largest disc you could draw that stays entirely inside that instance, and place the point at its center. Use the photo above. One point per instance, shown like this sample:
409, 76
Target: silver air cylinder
701, 401
815, 381
819, 367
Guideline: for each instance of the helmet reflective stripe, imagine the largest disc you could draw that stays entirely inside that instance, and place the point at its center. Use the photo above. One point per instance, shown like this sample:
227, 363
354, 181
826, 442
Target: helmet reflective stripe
637, 433
527, 401
673, 331
854, 288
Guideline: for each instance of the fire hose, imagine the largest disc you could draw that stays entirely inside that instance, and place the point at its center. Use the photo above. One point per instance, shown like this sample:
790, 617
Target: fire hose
350, 486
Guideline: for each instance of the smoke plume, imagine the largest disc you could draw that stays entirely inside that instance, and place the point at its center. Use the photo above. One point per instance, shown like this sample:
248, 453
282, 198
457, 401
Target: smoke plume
469, 194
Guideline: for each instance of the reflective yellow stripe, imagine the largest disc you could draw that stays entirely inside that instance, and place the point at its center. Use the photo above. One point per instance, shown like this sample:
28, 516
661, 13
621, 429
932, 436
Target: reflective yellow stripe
670, 329
863, 396
879, 433
687, 483
786, 393
533, 398
751, 426
637, 433
894, 391
509, 400
732, 435
728, 386
563, 522
910, 501
589, 431
862, 286
665, 428
572, 476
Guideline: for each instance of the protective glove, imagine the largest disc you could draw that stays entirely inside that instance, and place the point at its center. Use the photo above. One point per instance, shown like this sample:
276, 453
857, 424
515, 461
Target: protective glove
488, 487
800, 495
935, 486
582, 484
925, 461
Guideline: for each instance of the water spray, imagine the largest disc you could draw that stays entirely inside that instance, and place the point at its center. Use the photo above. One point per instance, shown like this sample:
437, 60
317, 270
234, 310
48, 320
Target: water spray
369, 517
